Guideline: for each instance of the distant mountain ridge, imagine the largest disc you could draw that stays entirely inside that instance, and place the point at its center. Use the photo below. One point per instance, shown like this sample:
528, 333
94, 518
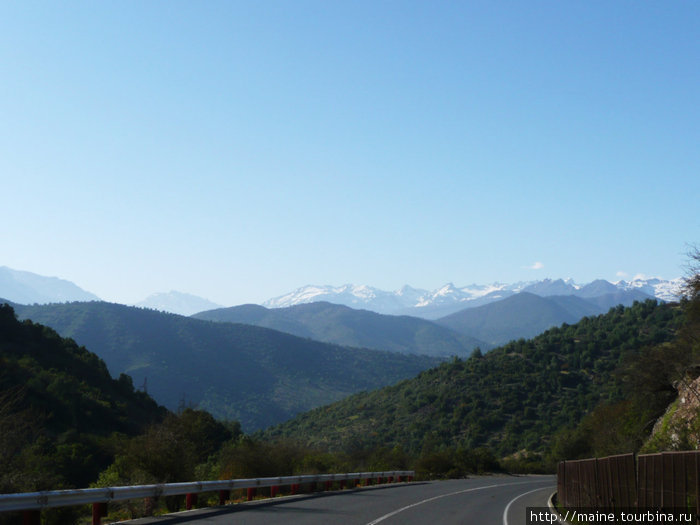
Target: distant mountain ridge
22, 287
28, 288
255, 375
449, 298
525, 314
177, 303
520, 315
339, 324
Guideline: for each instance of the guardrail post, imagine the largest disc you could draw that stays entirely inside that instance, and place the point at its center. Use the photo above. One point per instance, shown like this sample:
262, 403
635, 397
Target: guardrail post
148, 504
251, 493
328, 485
31, 517
190, 501
223, 496
293, 488
99, 511
273, 491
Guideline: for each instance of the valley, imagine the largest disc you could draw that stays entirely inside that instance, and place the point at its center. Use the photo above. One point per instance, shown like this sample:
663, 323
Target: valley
246, 373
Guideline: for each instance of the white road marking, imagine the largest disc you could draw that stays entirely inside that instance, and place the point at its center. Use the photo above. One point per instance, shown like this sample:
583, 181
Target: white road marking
505, 512
397, 511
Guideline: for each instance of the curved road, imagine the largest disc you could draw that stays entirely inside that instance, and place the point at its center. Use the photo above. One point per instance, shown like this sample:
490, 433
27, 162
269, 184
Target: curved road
483, 500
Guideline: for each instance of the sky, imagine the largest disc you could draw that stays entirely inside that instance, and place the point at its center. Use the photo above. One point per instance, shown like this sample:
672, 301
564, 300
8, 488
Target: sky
237, 150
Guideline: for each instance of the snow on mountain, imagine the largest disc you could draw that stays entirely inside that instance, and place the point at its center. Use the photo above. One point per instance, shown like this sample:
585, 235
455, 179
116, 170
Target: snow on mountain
28, 288
354, 296
549, 287
450, 294
409, 295
659, 288
482, 290
447, 294
450, 298
177, 303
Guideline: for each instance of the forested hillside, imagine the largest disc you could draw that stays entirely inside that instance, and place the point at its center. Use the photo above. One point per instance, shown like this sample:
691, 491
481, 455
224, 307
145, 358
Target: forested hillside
59, 409
512, 399
237, 372
659, 408
65, 423
334, 323
526, 314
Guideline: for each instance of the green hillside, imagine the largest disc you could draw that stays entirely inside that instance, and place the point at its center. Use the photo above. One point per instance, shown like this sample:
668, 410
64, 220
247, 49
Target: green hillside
521, 315
238, 372
334, 323
512, 398
527, 315
59, 409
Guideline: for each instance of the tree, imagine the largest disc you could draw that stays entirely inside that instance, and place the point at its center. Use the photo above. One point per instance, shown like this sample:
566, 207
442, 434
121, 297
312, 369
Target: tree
691, 303
169, 451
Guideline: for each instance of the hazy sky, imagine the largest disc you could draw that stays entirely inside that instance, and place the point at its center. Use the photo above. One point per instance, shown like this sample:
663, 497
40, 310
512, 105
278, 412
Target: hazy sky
238, 150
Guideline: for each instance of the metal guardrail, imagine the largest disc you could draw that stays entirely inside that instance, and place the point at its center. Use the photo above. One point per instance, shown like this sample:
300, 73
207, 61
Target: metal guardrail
32, 502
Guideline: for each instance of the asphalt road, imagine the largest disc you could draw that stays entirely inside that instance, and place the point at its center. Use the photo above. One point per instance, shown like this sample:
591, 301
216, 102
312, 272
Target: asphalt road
483, 500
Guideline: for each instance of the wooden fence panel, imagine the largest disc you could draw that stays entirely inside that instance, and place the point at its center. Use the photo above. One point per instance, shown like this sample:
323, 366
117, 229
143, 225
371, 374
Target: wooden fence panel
666, 480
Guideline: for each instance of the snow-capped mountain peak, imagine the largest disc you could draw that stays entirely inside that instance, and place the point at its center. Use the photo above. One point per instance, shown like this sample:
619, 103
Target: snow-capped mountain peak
451, 298
355, 296
666, 290
448, 289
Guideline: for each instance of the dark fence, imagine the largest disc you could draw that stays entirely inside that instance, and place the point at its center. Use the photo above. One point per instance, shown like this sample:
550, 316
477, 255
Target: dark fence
668, 480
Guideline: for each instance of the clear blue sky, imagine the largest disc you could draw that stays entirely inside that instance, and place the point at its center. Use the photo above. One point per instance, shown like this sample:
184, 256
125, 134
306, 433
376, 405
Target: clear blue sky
238, 150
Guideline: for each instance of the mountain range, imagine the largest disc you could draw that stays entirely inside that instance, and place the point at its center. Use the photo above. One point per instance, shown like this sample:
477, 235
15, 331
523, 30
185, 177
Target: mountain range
255, 375
28, 288
525, 314
444, 322
521, 315
334, 323
450, 299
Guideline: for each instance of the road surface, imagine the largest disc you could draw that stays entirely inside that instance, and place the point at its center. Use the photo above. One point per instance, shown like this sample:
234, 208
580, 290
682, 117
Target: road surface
483, 500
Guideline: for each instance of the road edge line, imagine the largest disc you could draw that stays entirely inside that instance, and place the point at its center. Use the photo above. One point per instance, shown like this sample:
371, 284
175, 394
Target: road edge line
553, 509
505, 511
